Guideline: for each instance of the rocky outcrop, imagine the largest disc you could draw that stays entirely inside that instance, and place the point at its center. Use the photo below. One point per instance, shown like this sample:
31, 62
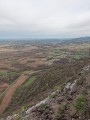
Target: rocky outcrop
47, 108
28, 113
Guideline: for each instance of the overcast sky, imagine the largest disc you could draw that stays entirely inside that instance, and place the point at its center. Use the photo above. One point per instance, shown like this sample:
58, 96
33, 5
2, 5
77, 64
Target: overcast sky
44, 18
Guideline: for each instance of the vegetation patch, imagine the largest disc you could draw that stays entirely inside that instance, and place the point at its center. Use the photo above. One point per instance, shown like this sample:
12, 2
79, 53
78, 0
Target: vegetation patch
80, 81
53, 95
8, 73
81, 103
30, 80
44, 106
60, 112
88, 86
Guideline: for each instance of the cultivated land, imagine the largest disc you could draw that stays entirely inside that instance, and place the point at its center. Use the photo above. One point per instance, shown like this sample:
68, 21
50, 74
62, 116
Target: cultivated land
31, 70
9, 93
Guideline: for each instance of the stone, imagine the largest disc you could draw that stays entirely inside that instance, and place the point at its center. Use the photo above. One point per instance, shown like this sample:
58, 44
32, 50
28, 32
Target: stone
69, 98
59, 100
9, 118
73, 91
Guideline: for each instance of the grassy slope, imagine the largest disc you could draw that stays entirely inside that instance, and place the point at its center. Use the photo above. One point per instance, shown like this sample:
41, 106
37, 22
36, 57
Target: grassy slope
42, 84
28, 82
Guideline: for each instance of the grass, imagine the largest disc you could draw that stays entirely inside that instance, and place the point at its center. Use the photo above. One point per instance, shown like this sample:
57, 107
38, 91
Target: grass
80, 103
76, 54
88, 86
57, 53
30, 80
60, 112
80, 81
44, 106
53, 95
80, 54
8, 73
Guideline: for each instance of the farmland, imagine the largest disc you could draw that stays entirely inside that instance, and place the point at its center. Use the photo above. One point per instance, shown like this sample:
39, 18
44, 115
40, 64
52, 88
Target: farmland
17, 57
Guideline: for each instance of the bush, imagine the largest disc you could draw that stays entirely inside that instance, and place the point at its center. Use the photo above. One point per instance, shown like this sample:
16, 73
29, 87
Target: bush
60, 112
81, 103
88, 86
44, 106
53, 95
80, 82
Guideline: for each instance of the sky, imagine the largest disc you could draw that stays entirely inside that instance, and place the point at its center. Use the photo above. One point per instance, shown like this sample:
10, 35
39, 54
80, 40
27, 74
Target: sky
44, 18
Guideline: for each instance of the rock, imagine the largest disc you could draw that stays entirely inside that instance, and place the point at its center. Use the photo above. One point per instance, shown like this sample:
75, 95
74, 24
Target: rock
9, 118
15, 116
70, 98
42, 102
51, 111
72, 86
68, 85
59, 100
87, 68
73, 113
73, 91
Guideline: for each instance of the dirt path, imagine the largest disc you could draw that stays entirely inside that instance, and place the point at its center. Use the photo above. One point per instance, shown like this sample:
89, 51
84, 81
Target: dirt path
9, 93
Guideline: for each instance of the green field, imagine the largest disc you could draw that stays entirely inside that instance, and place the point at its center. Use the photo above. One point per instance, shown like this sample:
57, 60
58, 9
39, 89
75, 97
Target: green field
8, 73
29, 81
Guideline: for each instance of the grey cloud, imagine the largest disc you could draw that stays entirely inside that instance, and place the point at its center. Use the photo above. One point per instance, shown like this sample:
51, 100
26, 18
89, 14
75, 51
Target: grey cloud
45, 17
81, 25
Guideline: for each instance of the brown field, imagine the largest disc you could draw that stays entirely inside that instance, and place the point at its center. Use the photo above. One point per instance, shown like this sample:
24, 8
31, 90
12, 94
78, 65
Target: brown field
16, 59
9, 93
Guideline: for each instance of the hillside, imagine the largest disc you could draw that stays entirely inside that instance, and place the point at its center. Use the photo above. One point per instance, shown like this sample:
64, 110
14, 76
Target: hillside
63, 90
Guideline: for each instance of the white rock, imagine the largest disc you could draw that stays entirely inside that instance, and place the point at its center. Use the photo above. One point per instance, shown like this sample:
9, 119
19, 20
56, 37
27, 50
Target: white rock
68, 85
42, 102
9, 118
72, 85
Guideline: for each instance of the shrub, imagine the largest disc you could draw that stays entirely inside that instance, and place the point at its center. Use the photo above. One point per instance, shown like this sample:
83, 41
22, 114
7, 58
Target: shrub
88, 86
84, 91
60, 112
44, 106
81, 103
80, 82
53, 95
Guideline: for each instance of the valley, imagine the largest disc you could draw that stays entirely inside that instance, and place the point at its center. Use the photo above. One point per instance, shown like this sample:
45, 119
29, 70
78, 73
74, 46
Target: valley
30, 71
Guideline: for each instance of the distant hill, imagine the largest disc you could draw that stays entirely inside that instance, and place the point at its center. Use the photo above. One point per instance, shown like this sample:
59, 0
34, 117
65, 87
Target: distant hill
50, 40
77, 40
